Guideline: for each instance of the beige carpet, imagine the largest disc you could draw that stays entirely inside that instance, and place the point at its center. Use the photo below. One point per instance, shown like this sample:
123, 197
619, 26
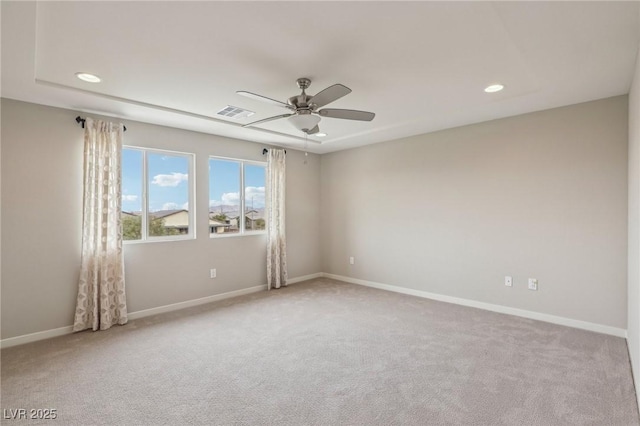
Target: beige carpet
325, 353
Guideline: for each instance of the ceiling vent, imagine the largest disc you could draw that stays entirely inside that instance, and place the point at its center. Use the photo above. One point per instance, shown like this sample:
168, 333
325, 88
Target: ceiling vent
235, 112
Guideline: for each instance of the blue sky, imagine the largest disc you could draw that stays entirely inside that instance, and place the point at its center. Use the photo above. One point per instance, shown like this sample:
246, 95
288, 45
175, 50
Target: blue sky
224, 189
168, 182
131, 180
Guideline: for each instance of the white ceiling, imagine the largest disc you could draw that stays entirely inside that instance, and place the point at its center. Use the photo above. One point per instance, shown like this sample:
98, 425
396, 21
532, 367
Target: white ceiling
420, 66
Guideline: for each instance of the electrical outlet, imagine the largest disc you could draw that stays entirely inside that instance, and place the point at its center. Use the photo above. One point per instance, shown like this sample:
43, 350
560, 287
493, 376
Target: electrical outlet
352, 260
508, 281
212, 273
533, 284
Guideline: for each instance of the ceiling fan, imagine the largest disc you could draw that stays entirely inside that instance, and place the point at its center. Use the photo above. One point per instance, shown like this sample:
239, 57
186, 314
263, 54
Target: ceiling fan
305, 114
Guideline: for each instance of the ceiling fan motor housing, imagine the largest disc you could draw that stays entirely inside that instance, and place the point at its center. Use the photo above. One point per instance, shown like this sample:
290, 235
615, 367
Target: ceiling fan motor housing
300, 101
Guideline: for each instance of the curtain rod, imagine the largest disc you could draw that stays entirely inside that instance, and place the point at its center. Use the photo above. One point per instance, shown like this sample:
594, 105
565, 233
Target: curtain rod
265, 150
82, 120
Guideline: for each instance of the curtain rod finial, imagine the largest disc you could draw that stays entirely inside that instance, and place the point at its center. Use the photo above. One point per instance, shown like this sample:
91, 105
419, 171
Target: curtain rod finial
80, 120
265, 150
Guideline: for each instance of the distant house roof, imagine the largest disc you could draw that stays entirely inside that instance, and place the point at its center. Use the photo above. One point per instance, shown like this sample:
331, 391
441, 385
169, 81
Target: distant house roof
254, 215
227, 213
218, 224
164, 213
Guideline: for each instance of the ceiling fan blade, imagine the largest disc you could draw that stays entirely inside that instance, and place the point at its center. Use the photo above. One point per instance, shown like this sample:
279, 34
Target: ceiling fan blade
314, 130
262, 98
347, 114
330, 94
264, 120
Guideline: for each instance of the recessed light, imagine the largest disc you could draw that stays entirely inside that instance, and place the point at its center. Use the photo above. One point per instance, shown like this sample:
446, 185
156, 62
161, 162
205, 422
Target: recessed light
494, 88
320, 135
90, 78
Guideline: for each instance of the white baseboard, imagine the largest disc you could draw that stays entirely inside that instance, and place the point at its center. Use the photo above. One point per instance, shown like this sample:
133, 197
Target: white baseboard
194, 302
305, 278
47, 334
34, 337
583, 325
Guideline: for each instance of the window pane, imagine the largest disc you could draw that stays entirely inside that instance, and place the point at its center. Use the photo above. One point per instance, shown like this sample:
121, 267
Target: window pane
168, 194
131, 194
224, 196
254, 184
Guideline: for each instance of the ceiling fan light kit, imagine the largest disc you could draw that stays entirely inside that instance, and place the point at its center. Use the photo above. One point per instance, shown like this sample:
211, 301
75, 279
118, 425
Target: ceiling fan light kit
305, 115
304, 122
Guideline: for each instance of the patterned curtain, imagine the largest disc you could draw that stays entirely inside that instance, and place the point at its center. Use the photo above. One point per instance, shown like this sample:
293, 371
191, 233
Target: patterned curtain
101, 296
276, 237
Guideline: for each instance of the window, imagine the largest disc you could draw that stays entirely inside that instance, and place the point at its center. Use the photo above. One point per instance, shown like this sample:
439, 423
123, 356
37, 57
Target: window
156, 194
236, 197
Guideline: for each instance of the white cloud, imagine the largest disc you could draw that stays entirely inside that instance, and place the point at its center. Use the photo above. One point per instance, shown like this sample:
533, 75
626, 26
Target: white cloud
255, 195
173, 179
129, 198
231, 198
185, 206
228, 199
170, 206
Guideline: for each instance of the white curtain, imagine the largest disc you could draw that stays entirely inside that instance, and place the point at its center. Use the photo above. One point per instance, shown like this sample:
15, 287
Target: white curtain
101, 295
276, 236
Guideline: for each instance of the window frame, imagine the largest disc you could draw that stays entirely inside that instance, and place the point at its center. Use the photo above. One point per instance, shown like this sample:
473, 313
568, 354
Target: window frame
144, 214
242, 231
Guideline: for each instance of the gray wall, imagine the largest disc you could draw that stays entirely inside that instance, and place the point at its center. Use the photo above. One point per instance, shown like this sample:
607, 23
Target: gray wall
42, 216
542, 195
633, 330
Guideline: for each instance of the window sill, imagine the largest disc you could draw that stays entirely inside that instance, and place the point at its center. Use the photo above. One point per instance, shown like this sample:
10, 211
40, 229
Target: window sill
160, 240
246, 234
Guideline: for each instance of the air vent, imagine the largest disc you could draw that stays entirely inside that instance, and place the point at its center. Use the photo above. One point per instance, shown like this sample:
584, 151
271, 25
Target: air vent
235, 112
